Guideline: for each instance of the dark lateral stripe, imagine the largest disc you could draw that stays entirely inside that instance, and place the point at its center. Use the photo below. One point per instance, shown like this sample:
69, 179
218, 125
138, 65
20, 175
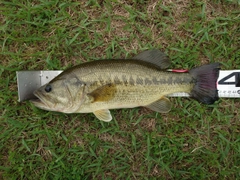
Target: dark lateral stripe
131, 81
172, 80
153, 81
139, 81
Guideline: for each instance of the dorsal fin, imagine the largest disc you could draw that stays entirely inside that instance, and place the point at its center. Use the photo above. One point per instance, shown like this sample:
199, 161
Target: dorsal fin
154, 56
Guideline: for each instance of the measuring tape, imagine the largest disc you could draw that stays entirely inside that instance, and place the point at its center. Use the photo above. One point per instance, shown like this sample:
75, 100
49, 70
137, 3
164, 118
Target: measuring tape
228, 84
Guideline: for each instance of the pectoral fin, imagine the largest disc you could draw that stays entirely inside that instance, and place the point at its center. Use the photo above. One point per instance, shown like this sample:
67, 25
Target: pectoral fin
154, 56
103, 93
162, 105
103, 115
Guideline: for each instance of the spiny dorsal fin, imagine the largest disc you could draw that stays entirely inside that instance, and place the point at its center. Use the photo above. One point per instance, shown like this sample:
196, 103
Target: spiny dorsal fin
154, 56
103, 93
103, 115
162, 105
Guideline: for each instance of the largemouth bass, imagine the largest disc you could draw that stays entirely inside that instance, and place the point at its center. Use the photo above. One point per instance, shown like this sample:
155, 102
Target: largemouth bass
97, 86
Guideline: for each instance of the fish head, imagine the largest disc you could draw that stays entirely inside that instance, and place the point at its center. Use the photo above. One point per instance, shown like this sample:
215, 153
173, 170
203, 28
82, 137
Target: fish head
62, 94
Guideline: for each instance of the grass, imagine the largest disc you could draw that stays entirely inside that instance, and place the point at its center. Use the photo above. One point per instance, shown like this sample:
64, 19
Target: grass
193, 141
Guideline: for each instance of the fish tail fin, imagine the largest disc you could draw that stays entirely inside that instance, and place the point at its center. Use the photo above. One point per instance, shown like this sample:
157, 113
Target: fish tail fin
205, 89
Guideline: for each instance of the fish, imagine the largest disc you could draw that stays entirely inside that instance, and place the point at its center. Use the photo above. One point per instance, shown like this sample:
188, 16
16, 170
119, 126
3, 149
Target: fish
142, 81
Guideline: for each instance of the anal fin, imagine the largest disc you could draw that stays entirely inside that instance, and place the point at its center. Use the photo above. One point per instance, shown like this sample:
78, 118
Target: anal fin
103, 115
162, 105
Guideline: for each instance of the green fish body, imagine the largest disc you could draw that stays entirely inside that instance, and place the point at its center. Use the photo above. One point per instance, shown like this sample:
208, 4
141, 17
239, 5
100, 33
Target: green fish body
101, 85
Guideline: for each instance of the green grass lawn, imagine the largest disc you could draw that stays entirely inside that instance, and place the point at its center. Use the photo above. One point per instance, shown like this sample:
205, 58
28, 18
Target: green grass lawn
193, 141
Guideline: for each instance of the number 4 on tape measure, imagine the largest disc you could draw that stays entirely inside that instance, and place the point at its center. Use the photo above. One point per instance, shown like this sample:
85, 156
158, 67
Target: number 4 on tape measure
236, 82
229, 84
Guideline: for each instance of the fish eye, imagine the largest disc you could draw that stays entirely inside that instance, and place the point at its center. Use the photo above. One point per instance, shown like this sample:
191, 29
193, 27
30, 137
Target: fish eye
48, 88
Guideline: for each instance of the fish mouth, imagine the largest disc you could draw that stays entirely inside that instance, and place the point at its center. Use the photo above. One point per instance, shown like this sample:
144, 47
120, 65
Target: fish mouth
39, 101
